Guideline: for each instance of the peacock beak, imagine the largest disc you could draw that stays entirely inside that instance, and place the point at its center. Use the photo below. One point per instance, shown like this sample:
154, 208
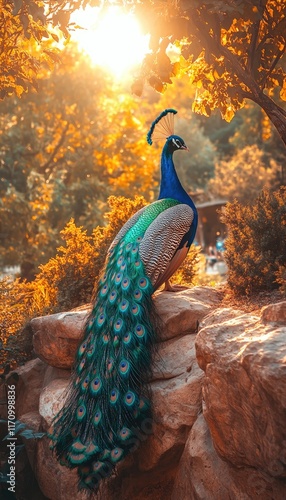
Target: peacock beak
185, 148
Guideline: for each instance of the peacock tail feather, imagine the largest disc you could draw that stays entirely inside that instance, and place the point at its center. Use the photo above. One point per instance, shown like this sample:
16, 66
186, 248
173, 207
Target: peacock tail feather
108, 404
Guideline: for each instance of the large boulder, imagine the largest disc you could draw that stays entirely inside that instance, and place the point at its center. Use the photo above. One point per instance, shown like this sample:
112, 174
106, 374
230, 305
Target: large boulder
203, 475
56, 337
244, 388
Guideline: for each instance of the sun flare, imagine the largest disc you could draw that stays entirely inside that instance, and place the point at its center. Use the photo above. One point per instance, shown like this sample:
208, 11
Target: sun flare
112, 39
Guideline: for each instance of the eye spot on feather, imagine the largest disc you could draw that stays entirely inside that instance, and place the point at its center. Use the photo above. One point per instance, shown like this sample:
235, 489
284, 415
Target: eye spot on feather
125, 283
90, 351
81, 412
100, 320
105, 339
120, 260
118, 278
81, 365
134, 249
114, 395
135, 309
97, 466
118, 325
116, 454
124, 367
137, 264
139, 331
128, 247
115, 340
129, 399
123, 306
82, 348
95, 386
124, 433
104, 291
97, 417
138, 295
112, 296
143, 283
85, 383
103, 279
127, 338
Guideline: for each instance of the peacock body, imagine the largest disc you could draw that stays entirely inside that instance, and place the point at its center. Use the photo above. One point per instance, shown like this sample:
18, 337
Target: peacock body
108, 408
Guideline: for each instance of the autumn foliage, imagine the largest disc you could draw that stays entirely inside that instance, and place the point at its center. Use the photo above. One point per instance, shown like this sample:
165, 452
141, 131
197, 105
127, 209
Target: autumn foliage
256, 244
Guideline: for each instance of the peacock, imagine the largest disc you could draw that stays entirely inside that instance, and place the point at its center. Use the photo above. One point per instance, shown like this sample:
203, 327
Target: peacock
108, 408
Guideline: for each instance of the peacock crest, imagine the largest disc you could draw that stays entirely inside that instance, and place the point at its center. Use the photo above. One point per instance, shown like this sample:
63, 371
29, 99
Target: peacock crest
162, 127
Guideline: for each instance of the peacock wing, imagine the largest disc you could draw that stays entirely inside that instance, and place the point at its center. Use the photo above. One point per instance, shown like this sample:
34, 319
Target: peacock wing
165, 245
128, 225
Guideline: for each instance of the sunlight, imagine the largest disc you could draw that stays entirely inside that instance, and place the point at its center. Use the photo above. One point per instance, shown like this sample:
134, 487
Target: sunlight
112, 39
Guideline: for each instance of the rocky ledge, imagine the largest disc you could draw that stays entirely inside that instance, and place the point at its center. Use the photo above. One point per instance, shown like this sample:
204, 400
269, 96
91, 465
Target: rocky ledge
219, 404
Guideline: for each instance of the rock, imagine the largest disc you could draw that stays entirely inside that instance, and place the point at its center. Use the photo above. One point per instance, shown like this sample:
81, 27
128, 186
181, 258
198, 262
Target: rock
176, 392
56, 482
56, 337
176, 388
33, 422
52, 399
183, 311
55, 373
202, 475
244, 390
28, 386
275, 313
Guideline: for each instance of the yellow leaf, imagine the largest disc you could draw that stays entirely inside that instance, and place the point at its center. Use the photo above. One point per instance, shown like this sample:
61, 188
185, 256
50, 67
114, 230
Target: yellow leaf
229, 114
19, 90
283, 91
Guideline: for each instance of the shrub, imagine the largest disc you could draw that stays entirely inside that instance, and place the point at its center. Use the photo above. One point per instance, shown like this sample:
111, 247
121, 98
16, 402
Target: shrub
256, 243
187, 272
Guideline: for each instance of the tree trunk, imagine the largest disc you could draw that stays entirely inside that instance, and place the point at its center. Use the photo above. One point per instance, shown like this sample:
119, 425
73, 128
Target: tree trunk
275, 113
277, 116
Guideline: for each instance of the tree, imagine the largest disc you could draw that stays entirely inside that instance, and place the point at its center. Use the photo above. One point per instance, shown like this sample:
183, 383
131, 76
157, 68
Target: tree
29, 30
243, 176
232, 50
62, 153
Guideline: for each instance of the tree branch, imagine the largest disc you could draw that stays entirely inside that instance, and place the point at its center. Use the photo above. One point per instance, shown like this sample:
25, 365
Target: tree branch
60, 142
275, 61
253, 43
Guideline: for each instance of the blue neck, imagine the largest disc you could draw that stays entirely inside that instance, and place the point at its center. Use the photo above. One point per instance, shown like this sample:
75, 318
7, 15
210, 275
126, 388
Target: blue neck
170, 184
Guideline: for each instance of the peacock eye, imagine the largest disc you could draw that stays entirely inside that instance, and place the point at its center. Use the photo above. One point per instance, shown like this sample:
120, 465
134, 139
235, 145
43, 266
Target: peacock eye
177, 143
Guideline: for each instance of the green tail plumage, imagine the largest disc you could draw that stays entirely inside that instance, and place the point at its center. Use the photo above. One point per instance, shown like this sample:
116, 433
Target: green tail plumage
108, 403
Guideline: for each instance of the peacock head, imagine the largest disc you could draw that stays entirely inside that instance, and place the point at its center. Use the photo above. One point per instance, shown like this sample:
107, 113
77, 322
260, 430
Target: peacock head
163, 128
174, 142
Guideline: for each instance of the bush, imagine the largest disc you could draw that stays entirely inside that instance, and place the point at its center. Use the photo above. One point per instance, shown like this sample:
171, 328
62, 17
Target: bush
256, 244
